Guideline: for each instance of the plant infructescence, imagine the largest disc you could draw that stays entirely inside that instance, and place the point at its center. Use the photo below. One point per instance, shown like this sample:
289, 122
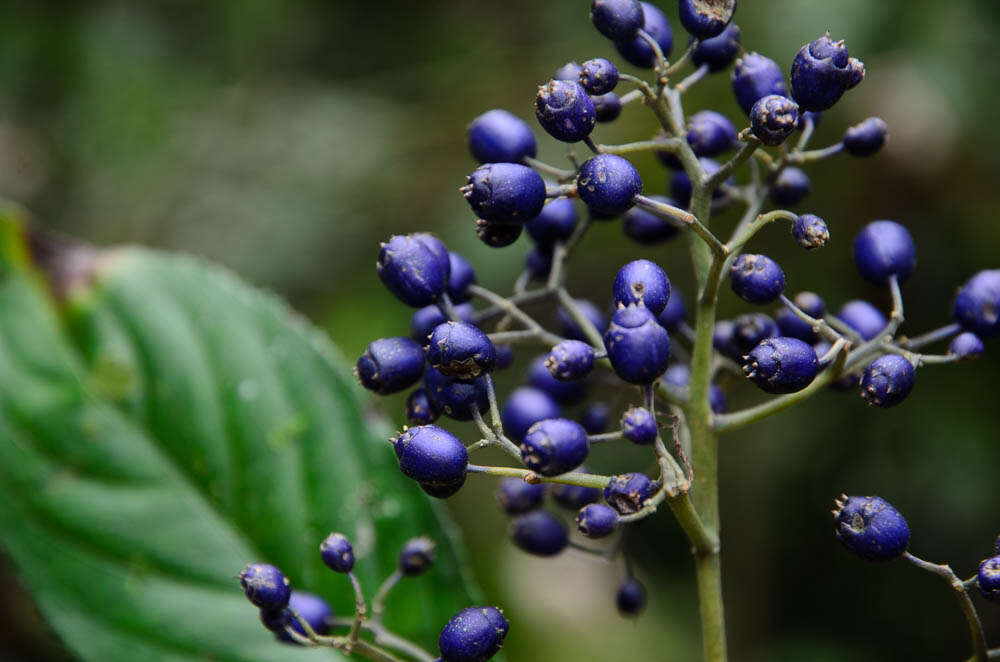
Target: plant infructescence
651, 346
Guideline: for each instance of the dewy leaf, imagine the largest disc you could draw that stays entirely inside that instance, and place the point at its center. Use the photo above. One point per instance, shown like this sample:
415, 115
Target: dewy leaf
167, 425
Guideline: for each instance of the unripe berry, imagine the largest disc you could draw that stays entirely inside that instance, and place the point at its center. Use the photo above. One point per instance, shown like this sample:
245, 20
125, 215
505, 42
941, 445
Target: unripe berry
867, 320
497, 235
455, 397
773, 118
988, 579
871, 528
390, 365
673, 313
554, 446
420, 410
565, 111
642, 281
628, 492
498, 136
883, 249
789, 323
756, 76
517, 497
607, 107
596, 418
977, 306
598, 76
639, 425
461, 277
565, 393
460, 350
337, 553
574, 497
608, 184
570, 360
433, 457
756, 278
416, 556
710, 133
866, 138
720, 51
618, 20
781, 365
705, 19
630, 597
505, 192
966, 345
750, 330
474, 634
810, 231
428, 318
887, 381
554, 223
597, 520
655, 24
265, 586
648, 228
525, 407
568, 326
412, 270
539, 533
790, 187
821, 72
637, 346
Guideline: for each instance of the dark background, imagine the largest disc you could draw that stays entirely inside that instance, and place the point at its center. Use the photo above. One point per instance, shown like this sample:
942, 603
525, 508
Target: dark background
285, 139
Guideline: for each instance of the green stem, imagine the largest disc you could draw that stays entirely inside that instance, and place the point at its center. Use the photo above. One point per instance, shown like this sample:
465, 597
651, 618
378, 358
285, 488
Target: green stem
571, 478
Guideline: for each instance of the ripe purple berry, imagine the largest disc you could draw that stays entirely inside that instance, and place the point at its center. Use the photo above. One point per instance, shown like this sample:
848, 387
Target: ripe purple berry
455, 397
756, 76
596, 418
710, 133
637, 345
867, 320
883, 249
565, 111
631, 597
608, 184
719, 51
497, 235
416, 556
598, 76
265, 586
538, 262
655, 24
627, 493
866, 138
773, 118
474, 634
505, 192
750, 330
977, 306
756, 279
570, 360
420, 410
887, 381
461, 277
642, 281
433, 457
988, 579
789, 323
810, 231
517, 497
607, 107
871, 528
821, 72
498, 136
390, 365
554, 223
639, 426
673, 313
648, 228
790, 187
781, 365
566, 393
337, 553
413, 270
554, 446
526, 406
313, 609
966, 345
597, 520
618, 20
460, 350
705, 19
539, 533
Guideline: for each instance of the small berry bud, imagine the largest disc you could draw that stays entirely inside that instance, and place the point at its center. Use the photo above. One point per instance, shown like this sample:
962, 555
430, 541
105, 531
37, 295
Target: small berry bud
474, 634
631, 597
265, 586
569, 71
639, 426
565, 393
539, 533
427, 318
966, 345
596, 418
461, 277
773, 118
313, 609
598, 76
597, 520
337, 553
810, 232
887, 381
977, 306
756, 279
416, 556
871, 528
570, 360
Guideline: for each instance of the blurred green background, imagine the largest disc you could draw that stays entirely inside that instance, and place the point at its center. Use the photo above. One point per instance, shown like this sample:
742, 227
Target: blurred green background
286, 139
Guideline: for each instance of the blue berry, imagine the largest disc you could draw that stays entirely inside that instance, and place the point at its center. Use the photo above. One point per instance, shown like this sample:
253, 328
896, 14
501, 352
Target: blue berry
433, 457
883, 249
977, 306
790, 187
525, 407
639, 425
866, 138
461, 277
751, 330
497, 235
719, 51
773, 118
425, 320
538, 262
460, 350
539, 533
390, 365
337, 553
871, 528
716, 399
517, 497
598, 76
673, 313
437, 248
867, 320
265, 586
722, 339
412, 270
988, 579
570, 360
679, 375
565, 111
505, 357
680, 184
569, 71
596, 418
597, 520
821, 72
642, 281
887, 381
419, 408
789, 323
810, 231
608, 184
618, 20
276, 621
505, 192
607, 107
781, 365
554, 223
588, 309
646, 227
627, 493
966, 345
566, 393
638, 347
574, 497
474, 634
416, 556
809, 116
631, 597
655, 24
710, 133
498, 136
313, 609
757, 279
705, 19
756, 76
554, 446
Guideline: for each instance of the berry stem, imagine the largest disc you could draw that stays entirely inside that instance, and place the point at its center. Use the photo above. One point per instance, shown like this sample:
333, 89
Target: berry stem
683, 60
562, 175
690, 220
378, 601
661, 62
582, 321
360, 610
689, 82
930, 337
814, 154
820, 325
713, 181
661, 145
571, 478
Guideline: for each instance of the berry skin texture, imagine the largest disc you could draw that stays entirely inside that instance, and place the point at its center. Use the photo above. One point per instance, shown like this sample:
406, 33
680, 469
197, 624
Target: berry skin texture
618, 20
639, 426
608, 184
627, 493
867, 320
505, 192
773, 118
565, 393
517, 497
810, 232
554, 446
597, 520
412, 270
647, 228
539, 533
419, 408
821, 72
428, 318
460, 350
337, 553
598, 76
719, 51
866, 138
565, 111
756, 279
887, 381
390, 365
781, 365
631, 597
607, 107
988, 579
790, 187
655, 24
705, 19
756, 76
526, 406
642, 281
977, 306
433, 457
570, 360
462, 275
554, 223
750, 330
966, 345
790, 325
416, 556
497, 235
568, 326
871, 528
474, 634
596, 418
498, 136
265, 586
673, 313
455, 397
710, 133
637, 345
883, 249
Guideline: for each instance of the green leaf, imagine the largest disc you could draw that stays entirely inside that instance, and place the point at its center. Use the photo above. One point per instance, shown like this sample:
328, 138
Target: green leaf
167, 425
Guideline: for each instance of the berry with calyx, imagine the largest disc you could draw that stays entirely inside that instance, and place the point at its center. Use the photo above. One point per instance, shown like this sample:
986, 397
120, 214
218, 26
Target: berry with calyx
526, 406
539, 533
756, 76
574, 497
607, 107
773, 118
627, 493
554, 223
673, 313
608, 184
433, 457
474, 634
598, 76
642, 282
425, 320
413, 270
977, 306
570, 329
618, 20
781, 365
498, 136
570, 360
596, 418
337, 553
821, 72
887, 381
517, 497
719, 51
883, 249
420, 410
390, 365
646, 227
637, 51
497, 235
871, 528
565, 111
416, 556
752, 329
710, 133
988, 579
505, 192
631, 597
638, 347
705, 19
790, 187
866, 138
313, 609
810, 231
460, 350
265, 586
789, 323
864, 318
756, 279
554, 446
461, 277
639, 425
597, 520
966, 345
